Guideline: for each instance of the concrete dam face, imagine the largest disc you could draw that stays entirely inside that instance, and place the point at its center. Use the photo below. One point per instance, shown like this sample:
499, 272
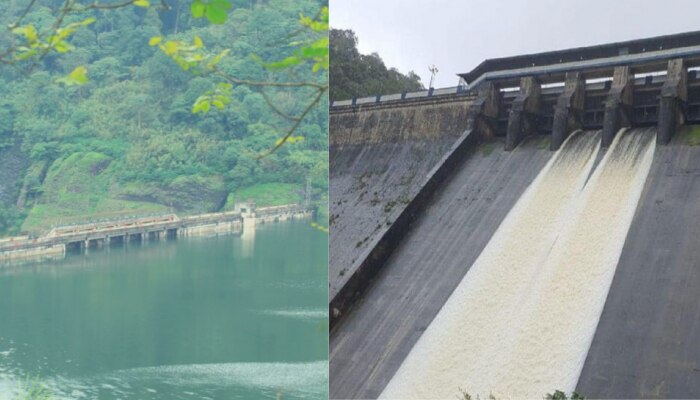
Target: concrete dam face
516, 238
536, 291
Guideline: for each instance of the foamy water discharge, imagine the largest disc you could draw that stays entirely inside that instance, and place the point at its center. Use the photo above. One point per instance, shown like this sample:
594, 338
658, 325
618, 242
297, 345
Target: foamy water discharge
521, 321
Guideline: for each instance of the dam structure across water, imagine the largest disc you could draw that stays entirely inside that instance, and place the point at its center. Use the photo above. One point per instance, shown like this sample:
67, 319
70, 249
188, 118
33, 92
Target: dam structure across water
83, 237
535, 229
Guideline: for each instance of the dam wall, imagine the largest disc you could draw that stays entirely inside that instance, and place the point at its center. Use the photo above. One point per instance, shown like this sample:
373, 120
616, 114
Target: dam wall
389, 153
85, 237
603, 301
381, 157
369, 344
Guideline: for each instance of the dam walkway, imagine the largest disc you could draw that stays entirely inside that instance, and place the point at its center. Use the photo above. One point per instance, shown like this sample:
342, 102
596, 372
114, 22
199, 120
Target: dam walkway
142, 229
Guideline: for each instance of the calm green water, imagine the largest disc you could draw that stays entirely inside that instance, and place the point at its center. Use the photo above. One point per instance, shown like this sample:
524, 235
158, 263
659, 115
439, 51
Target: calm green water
216, 318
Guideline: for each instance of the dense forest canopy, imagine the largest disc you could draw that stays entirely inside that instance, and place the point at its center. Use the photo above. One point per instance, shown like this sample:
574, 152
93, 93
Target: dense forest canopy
128, 142
357, 75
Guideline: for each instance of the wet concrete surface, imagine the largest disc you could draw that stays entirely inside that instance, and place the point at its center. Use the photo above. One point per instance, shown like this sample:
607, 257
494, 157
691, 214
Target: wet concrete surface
370, 185
647, 343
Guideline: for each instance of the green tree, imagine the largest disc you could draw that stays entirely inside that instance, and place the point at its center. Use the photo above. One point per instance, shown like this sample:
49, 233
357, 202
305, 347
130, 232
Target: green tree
357, 75
121, 136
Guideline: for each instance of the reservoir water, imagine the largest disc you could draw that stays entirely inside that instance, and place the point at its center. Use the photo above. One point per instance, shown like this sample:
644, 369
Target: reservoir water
229, 317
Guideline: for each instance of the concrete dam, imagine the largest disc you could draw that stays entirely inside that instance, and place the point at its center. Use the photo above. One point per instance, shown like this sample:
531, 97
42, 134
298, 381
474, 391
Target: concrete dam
536, 230
103, 234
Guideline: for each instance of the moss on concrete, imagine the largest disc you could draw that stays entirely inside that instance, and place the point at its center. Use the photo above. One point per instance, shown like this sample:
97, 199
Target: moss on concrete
487, 148
690, 134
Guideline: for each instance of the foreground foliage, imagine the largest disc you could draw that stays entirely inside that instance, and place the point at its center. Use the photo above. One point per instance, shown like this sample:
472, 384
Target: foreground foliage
557, 395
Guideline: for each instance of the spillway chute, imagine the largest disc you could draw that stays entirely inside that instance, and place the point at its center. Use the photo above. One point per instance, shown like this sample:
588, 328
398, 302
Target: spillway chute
521, 321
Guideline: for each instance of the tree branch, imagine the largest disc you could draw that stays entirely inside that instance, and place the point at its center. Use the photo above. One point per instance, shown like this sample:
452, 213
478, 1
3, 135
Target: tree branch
277, 109
24, 14
294, 127
237, 81
113, 6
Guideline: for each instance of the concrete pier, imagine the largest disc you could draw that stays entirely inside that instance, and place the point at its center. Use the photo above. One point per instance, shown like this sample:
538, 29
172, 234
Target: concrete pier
618, 105
674, 94
568, 112
523, 118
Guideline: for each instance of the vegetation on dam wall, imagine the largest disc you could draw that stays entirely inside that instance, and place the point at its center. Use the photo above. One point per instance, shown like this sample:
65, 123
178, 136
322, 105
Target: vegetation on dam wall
127, 142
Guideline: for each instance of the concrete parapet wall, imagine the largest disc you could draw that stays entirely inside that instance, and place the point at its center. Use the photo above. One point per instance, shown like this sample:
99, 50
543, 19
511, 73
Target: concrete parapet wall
424, 119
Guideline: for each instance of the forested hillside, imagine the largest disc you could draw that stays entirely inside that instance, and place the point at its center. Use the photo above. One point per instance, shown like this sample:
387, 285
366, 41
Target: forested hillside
356, 75
128, 142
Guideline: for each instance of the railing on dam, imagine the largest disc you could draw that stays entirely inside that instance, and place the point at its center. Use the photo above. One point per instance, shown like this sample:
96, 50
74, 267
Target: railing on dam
432, 92
113, 224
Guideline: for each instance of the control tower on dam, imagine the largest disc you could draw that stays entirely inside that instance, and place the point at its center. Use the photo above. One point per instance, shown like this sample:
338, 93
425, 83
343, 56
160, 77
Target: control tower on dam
596, 149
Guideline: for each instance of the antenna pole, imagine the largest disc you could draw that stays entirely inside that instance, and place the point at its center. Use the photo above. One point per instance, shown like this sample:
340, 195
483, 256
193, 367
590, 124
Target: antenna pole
433, 71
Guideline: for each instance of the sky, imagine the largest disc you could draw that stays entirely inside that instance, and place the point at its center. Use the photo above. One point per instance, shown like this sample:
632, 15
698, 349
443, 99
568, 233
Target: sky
457, 35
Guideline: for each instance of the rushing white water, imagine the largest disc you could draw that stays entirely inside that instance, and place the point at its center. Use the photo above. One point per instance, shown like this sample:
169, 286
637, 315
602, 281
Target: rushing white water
520, 323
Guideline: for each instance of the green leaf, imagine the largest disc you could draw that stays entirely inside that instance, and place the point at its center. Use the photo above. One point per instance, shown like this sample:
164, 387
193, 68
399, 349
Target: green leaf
170, 47
29, 33
198, 9
155, 40
62, 47
286, 63
198, 42
77, 77
202, 105
88, 21
26, 54
217, 59
216, 15
142, 3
